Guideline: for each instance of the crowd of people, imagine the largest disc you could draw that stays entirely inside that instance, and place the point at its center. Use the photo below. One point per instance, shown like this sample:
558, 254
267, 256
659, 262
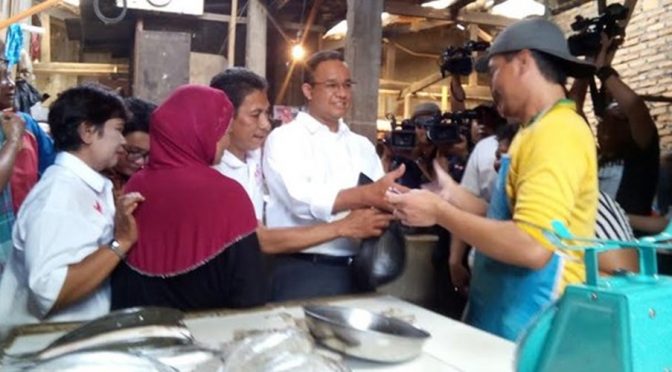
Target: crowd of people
197, 204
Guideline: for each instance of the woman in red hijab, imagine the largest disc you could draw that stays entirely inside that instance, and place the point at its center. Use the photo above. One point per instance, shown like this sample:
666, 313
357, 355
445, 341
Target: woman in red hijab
197, 247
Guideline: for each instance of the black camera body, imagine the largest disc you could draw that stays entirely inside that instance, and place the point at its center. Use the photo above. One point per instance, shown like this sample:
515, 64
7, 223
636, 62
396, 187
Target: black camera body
451, 127
402, 135
587, 39
458, 60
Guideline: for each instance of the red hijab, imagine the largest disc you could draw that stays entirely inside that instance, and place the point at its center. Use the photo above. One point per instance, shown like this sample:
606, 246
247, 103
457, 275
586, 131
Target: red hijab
191, 212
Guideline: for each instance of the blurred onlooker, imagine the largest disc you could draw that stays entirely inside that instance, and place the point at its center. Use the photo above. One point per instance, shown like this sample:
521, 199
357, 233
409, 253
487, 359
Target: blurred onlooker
627, 138
136, 149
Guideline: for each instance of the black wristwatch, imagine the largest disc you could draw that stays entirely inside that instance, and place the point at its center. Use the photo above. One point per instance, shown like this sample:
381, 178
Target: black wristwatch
605, 72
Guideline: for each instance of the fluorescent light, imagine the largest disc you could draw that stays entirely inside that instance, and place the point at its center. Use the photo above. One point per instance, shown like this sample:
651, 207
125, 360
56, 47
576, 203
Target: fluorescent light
438, 4
72, 2
460, 26
519, 8
339, 31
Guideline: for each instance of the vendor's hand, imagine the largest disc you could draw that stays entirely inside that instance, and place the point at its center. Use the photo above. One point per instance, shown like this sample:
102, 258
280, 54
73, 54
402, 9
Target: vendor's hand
416, 207
125, 227
459, 276
13, 125
364, 223
376, 191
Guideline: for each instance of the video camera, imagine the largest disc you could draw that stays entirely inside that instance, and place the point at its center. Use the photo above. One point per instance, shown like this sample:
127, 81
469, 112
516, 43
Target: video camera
458, 60
587, 39
442, 129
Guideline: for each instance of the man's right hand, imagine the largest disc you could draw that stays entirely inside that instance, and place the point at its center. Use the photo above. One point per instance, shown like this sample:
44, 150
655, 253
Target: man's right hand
377, 190
13, 125
364, 223
125, 227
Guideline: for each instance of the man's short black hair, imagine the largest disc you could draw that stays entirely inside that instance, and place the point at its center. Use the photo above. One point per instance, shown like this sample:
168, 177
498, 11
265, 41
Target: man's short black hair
238, 83
551, 68
316, 59
91, 103
141, 111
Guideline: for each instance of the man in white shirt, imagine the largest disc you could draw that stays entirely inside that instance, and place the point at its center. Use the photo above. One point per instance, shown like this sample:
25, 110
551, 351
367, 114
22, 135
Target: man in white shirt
241, 162
68, 236
312, 166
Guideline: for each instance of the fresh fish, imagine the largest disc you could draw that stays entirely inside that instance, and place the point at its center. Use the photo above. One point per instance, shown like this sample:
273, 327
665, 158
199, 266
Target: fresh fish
121, 330
99, 361
279, 351
126, 318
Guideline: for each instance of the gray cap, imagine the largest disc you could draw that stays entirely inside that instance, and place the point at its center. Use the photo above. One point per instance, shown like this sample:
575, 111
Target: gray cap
427, 108
541, 35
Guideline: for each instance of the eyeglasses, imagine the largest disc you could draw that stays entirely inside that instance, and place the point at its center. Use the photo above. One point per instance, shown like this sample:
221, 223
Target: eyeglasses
134, 154
334, 86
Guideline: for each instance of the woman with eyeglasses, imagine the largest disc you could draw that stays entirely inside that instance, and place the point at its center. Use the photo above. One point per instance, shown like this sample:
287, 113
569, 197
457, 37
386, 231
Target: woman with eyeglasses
136, 150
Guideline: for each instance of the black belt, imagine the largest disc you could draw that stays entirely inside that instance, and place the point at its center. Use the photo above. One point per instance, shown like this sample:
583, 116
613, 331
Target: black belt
324, 259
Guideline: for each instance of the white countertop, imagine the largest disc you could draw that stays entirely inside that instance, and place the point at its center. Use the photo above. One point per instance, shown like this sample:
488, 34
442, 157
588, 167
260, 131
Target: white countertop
453, 346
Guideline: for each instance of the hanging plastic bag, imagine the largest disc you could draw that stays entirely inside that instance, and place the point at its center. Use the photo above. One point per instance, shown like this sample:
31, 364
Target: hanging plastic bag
380, 260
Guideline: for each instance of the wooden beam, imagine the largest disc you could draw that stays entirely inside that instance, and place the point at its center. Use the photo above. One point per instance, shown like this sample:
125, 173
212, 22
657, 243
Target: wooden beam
231, 54
403, 8
255, 50
79, 69
221, 18
45, 41
363, 50
473, 35
421, 84
28, 12
477, 91
484, 35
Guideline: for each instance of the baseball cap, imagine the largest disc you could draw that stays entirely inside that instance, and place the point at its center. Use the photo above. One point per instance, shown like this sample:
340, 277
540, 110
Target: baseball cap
541, 35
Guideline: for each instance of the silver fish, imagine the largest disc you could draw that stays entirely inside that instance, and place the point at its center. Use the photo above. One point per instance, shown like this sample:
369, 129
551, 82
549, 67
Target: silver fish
121, 330
100, 361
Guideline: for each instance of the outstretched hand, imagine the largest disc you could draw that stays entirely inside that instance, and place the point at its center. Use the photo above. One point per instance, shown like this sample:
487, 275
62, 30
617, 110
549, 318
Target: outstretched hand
415, 207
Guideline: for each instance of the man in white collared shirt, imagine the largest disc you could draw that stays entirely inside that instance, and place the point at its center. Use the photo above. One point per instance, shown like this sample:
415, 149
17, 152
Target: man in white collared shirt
241, 162
312, 166
68, 236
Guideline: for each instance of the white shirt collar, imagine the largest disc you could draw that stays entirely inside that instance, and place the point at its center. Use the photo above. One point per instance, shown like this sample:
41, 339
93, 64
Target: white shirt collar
313, 125
232, 161
92, 178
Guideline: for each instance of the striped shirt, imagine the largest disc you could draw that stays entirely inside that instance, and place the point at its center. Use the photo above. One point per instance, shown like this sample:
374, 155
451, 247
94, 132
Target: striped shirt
611, 222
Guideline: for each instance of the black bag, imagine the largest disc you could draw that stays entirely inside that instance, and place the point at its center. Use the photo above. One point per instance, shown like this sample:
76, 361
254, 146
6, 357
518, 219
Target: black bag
380, 260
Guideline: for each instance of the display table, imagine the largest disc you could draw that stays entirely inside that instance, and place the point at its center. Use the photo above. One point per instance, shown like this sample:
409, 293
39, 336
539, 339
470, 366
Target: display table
453, 346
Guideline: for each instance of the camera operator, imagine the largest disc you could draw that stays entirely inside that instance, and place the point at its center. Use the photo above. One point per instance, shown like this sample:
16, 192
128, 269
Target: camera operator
627, 138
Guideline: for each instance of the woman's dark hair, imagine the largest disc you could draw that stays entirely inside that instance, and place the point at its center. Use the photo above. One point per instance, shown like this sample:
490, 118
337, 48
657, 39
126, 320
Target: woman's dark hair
90, 103
141, 111
238, 83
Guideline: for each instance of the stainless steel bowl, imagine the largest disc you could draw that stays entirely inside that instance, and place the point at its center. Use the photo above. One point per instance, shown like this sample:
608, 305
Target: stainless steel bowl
363, 334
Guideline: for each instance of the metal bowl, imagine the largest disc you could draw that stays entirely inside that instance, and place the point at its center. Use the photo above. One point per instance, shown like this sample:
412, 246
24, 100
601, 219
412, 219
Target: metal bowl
363, 334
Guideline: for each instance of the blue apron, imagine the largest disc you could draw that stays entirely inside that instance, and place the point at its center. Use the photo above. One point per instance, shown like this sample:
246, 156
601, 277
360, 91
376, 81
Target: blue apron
504, 299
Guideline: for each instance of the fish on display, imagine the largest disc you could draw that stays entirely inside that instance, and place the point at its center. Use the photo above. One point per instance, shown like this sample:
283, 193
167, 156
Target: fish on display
99, 361
120, 330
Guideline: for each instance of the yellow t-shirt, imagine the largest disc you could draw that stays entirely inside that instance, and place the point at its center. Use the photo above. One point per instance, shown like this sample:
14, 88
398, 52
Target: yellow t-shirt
553, 176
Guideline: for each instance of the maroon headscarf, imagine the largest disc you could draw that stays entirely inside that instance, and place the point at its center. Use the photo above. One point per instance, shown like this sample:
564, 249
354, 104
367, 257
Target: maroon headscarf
191, 212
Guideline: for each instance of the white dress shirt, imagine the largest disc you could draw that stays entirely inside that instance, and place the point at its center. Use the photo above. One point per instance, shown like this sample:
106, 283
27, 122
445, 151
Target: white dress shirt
247, 174
306, 165
480, 175
65, 218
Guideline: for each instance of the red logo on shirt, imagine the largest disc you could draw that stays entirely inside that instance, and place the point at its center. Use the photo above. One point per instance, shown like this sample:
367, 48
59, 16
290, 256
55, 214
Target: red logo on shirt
98, 207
